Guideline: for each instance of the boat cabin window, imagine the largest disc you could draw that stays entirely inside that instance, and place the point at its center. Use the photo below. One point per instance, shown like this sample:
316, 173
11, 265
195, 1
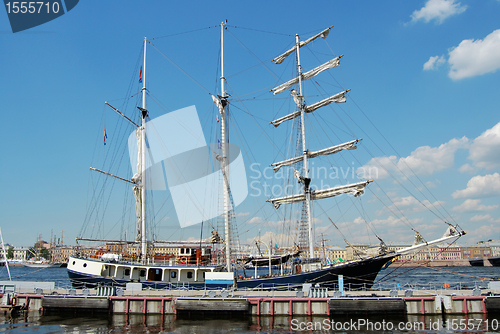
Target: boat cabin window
127, 272
173, 274
189, 274
84, 265
142, 273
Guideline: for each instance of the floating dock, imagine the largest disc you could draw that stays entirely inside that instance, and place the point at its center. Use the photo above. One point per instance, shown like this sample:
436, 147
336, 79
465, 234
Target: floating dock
288, 303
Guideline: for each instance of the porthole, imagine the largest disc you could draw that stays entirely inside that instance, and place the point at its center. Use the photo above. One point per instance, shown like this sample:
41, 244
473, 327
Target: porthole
74, 262
84, 265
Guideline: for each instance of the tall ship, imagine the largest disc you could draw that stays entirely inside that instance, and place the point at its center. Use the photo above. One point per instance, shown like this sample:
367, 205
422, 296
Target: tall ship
216, 261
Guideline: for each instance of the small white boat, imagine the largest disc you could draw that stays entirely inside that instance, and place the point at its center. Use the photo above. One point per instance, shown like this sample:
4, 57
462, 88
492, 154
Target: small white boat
37, 264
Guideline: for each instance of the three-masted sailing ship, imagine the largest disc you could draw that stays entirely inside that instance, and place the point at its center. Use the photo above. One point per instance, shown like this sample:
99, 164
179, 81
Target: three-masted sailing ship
196, 266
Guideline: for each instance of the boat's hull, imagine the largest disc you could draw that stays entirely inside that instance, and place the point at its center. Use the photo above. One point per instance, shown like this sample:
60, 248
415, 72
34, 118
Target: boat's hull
358, 274
37, 265
44, 265
495, 261
476, 262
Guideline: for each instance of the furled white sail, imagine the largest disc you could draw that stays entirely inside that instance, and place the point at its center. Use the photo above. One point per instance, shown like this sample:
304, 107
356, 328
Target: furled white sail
287, 200
281, 58
298, 99
288, 117
337, 98
137, 189
138, 211
308, 75
351, 145
277, 165
217, 101
137, 176
356, 189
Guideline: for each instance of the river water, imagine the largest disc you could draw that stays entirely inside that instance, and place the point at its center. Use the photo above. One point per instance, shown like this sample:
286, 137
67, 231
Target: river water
390, 278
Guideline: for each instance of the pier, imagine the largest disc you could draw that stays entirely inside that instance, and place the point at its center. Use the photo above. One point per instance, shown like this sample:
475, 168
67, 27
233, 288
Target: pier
261, 303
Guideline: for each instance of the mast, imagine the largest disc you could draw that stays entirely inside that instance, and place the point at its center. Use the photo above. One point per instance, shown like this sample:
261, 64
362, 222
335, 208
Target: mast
304, 153
309, 195
224, 141
144, 114
5, 256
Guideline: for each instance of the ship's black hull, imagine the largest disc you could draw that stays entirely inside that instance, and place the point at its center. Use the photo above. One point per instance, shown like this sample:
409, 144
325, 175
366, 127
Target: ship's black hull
476, 262
495, 261
358, 274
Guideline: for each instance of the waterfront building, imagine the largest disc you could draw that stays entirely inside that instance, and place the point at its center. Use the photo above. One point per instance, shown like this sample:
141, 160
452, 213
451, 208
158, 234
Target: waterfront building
7, 247
430, 254
20, 253
60, 254
476, 251
495, 248
332, 253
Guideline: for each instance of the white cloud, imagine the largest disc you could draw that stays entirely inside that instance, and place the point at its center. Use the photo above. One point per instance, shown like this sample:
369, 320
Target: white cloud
430, 184
438, 10
466, 168
480, 186
434, 62
478, 218
485, 149
484, 232
425, 160
391, 230
255, 220
474, 205
280, 239
392, 221
409, 205
471, 58
487, 217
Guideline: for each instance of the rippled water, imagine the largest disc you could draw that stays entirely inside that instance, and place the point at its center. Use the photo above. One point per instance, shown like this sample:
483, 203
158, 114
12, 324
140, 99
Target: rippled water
434, 278
71, 323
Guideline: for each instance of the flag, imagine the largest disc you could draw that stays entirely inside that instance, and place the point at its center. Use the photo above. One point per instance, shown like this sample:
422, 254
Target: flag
276, 246
220, 145
105, 136
140, 75
217, 118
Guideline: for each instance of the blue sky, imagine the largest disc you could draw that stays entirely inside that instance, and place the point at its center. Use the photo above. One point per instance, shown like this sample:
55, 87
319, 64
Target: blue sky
425, 73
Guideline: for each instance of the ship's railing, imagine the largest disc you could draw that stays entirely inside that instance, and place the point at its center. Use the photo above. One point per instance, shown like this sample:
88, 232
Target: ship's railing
175, 287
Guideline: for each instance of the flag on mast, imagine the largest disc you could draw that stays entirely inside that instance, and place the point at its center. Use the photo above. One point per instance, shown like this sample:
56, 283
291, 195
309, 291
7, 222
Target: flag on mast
140, 75
105, 136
